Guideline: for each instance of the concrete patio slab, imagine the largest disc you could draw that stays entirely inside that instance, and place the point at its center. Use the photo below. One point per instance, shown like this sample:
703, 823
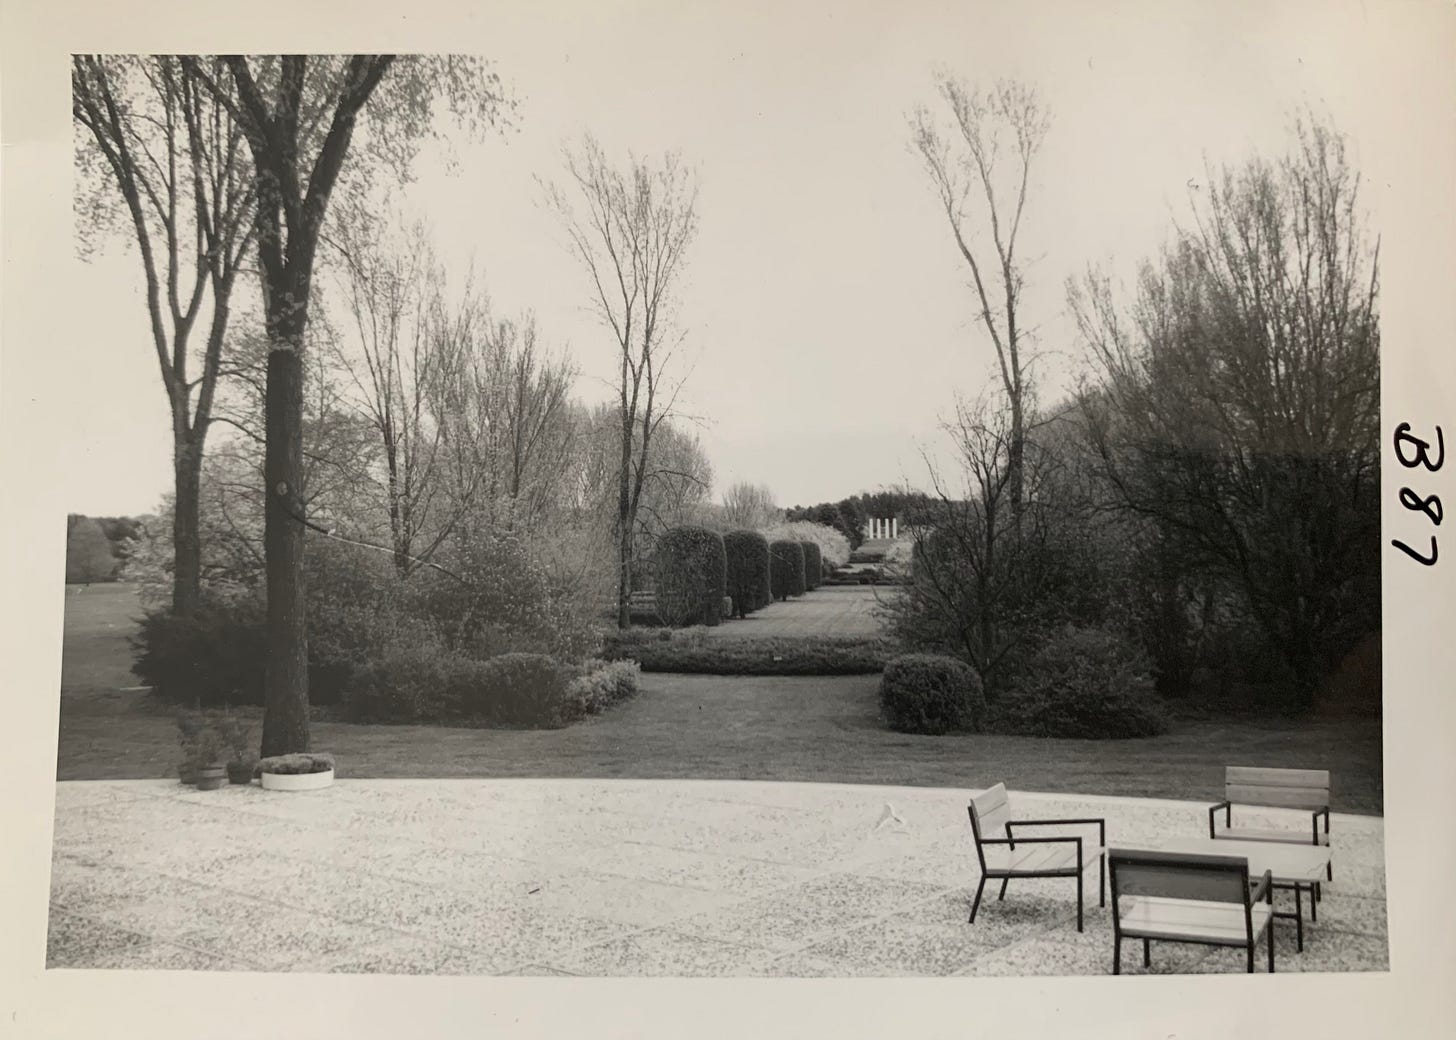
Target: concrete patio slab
637, 878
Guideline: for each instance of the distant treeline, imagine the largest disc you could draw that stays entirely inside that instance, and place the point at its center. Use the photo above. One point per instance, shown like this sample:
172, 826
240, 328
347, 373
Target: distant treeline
96, 546
850, 515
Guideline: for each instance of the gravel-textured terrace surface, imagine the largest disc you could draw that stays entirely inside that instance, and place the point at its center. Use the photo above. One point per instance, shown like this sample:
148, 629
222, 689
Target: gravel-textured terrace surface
592, 877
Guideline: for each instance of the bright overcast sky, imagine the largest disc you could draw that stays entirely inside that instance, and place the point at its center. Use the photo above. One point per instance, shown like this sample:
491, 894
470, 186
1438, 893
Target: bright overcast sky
825, 307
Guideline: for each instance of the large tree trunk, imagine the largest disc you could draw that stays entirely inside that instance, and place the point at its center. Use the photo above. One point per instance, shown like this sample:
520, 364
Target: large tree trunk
285, 723
186, 526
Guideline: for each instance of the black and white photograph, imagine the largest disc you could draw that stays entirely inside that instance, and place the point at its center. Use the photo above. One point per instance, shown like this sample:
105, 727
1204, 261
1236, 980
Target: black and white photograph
734, 493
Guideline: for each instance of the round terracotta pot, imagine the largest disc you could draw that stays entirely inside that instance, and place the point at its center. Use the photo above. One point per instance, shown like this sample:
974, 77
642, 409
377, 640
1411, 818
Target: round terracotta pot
240, 772
210, 778
187, 773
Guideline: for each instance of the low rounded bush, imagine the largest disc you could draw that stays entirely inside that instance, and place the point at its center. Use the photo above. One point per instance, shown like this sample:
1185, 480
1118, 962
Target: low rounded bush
786, 569
297, 764
813, 566
601, 684
749, 581
931, 694
1083, 682
691, 566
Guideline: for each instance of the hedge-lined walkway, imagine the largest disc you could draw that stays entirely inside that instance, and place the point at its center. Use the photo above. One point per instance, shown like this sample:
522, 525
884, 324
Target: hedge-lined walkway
597, 878
830, 610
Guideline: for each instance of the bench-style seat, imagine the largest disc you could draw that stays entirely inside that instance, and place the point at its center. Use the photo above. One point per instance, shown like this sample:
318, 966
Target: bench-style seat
1295, 789
1178, 897
1003, 855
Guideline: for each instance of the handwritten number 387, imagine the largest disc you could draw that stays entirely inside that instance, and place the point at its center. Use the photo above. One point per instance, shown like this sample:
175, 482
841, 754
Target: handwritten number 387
1431, 504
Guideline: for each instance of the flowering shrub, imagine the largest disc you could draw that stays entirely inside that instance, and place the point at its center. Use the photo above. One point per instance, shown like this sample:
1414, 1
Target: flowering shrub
833, 546
602, 684
296, 764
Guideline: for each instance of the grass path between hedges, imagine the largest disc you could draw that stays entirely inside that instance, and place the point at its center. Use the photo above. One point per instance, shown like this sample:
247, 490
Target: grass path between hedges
814, 728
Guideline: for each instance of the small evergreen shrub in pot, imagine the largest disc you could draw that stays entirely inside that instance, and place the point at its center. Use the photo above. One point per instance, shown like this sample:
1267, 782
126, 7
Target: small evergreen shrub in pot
1091, 682
691, 565
301, 771
749, 581
813, 566
931, 694
787, 569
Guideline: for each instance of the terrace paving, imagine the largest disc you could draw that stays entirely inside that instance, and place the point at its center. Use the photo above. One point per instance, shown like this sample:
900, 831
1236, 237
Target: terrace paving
594, 877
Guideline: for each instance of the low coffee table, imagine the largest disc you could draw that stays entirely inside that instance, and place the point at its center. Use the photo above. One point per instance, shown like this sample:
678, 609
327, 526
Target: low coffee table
1299, 867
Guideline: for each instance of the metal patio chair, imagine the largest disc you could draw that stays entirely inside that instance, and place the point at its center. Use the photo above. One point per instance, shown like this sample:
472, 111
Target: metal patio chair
1004, 856
1187, 898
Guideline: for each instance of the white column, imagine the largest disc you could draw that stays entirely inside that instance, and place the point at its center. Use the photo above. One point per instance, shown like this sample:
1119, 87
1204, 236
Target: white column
894, 527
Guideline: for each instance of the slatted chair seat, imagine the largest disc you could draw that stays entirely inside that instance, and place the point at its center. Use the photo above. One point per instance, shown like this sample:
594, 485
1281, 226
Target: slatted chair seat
1268, 834
1040, 858
1191, 920
1188, 898
1005, 854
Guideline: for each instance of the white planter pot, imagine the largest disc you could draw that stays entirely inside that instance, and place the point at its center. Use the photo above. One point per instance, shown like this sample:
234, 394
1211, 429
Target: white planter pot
296, 781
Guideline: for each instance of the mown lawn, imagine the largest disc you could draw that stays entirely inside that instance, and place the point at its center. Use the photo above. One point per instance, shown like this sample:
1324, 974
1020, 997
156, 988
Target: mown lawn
806, 728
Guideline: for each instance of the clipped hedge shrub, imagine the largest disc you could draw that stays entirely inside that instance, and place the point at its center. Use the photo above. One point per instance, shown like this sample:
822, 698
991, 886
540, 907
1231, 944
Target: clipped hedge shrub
691, 565
786, 569
931, 694
510, 690
753, 655
1083, 682
813, 566
749, 579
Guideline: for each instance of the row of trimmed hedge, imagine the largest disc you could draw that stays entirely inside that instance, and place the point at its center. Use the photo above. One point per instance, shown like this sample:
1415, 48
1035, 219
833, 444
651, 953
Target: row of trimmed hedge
512, 690
665, 651
696, 567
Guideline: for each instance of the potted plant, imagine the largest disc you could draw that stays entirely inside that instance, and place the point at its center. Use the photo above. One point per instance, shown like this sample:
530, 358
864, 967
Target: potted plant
237, 738
201, 747
301, 771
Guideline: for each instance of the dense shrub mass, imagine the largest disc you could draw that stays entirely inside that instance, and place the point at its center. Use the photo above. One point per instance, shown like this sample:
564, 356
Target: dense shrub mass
211, 658
749, 580
931, 694
813, 566
764, 655
833, 546
691, 565
1083, 682
786, 569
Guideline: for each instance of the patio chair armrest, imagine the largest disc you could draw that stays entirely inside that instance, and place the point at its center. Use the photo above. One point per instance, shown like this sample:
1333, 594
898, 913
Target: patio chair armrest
1013, 842
1263, 888
1098, 820
1228, 809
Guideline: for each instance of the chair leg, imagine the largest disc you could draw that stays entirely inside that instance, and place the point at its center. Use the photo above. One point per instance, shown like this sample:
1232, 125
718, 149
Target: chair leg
1102, 880
1004, 882
1251, 957
1147, 953
1271, 946
977, 902
1117, 955
1330, 871
1313, 905
1079, 900
1298, 920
